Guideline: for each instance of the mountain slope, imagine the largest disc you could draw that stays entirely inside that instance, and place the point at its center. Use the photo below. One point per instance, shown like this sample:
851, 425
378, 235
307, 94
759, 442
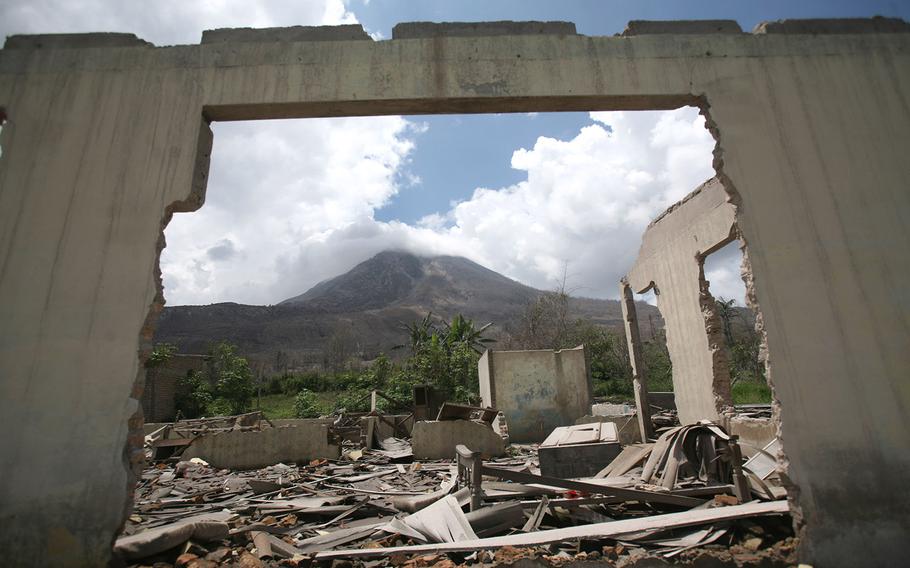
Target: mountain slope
367, 305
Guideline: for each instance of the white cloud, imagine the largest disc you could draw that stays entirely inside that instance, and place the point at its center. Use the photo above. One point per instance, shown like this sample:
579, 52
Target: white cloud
583, 208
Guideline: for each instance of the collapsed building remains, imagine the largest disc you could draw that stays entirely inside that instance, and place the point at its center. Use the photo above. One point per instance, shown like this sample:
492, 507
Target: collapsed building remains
106, 136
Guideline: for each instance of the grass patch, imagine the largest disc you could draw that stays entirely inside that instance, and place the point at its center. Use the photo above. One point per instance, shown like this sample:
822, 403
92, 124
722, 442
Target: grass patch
282, 405
751, 392
277, 405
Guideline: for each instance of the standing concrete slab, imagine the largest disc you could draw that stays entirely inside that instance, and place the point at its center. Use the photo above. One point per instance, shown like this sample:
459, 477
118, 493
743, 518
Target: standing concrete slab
106, 139
536, 390
671, 261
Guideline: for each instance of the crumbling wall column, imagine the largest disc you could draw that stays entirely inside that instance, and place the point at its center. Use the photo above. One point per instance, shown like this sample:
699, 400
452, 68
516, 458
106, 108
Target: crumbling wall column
639, 373
670, 262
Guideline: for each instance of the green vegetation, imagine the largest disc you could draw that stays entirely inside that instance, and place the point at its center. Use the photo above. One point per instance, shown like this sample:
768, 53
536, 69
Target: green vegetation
751, 392
441, 354
225, 387
444, 355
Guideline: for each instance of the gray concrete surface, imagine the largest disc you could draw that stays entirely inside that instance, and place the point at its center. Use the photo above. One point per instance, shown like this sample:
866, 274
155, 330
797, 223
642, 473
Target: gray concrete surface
436, 439
671, 262
237, 449
102, 145
537, 391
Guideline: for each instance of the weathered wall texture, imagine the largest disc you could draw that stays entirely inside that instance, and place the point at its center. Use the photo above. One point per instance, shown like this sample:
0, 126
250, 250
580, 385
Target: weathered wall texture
237, 449
102, 144
436, 440
536, 390
671, 257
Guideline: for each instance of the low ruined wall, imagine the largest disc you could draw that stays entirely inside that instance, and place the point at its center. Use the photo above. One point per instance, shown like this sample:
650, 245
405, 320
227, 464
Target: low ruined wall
436, 440
259, 448
536, 390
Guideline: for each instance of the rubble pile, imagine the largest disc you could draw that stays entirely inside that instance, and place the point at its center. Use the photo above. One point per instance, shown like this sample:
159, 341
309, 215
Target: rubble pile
688, 494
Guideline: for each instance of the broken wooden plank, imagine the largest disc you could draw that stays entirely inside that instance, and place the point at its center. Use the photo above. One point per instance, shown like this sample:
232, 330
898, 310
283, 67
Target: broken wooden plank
598, 530
626, 494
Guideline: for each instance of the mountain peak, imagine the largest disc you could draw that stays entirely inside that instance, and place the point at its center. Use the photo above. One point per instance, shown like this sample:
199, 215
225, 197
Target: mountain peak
400, 278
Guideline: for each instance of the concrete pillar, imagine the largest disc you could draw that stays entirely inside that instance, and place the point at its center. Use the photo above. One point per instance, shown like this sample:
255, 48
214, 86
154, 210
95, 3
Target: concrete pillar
639, 373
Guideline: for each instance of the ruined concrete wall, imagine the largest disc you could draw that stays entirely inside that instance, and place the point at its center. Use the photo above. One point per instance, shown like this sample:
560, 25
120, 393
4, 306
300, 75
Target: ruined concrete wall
536, 390
237, 449
436, 440
671, 258
102, 144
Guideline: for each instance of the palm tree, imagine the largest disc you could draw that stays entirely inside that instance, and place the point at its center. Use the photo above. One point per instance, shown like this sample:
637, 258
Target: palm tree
726, 311
462, 330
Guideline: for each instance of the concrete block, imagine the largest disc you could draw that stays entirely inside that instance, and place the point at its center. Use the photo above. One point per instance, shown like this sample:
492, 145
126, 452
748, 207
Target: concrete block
416, 30
626, 426
74, 41
346, 32
436, 440
259, 448
649, 27
876, 25
579, 451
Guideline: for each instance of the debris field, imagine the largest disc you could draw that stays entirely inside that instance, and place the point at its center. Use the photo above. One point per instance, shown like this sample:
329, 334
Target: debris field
688, 494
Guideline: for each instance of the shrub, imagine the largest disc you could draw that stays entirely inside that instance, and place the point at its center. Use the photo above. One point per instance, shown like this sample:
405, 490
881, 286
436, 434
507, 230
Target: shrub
306, 405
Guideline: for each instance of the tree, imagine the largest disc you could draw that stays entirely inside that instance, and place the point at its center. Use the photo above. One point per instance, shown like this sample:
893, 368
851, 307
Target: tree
446, 356
726, 311
232, 379
192, 395
338, 349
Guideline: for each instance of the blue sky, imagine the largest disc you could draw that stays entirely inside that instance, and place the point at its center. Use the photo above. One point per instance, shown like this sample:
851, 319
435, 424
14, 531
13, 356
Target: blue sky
290, 203
608, 17
483, 144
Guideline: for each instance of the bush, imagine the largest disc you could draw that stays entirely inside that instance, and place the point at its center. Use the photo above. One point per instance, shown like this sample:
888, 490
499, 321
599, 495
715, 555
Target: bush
306, 405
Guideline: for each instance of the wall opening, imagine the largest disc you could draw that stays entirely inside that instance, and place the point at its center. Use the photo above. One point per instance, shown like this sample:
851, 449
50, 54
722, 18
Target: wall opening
742, 342
556, 164
290, 373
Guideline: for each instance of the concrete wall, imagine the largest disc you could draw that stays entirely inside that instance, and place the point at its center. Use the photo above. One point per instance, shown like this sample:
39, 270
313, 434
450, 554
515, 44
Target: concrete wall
671, 260
436, 440
258, 448
104, 141
536, 390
